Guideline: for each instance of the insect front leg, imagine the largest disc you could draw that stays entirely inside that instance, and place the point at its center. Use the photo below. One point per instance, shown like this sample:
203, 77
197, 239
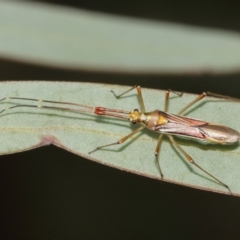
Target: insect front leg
120, 141
140, 97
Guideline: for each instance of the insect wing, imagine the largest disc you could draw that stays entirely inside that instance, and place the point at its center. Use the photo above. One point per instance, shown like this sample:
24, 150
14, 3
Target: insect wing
220, 134
197, 129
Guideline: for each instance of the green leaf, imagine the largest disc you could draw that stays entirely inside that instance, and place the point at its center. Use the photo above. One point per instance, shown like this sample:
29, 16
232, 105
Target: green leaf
69, 38
27, 128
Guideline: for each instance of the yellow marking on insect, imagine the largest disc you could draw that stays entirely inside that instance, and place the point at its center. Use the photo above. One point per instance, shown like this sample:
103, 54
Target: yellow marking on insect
135, 116
162, 120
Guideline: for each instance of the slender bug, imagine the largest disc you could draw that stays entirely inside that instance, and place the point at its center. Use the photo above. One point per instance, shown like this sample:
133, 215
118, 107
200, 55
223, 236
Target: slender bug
158, 121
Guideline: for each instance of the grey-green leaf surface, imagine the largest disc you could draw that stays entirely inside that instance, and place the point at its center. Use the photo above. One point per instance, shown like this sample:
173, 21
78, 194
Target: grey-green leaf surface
69, 38
26, 128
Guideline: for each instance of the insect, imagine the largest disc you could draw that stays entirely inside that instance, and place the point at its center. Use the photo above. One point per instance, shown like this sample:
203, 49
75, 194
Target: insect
162, 122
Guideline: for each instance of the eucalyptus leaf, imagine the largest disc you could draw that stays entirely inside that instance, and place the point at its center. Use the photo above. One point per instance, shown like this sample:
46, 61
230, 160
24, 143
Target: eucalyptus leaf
65, 37
25, 128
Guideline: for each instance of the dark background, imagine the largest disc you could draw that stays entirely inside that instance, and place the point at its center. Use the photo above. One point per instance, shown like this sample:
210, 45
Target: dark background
49, 193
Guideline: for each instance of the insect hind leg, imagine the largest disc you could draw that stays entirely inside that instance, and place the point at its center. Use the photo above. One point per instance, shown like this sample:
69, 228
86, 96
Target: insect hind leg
189, 158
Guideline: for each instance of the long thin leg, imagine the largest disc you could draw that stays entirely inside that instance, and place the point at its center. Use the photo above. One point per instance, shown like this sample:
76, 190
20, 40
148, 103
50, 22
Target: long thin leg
203, 95
189, 158
159, 143
222, 96
167, 94
160, 139
120, 141
140, 97
166, 101
157, 150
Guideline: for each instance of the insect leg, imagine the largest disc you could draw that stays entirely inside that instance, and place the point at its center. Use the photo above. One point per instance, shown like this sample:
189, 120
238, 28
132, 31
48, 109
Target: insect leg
157, 150
222, 96
189, 158
140, 97
166, 101
201, 96
120, 141
159, 143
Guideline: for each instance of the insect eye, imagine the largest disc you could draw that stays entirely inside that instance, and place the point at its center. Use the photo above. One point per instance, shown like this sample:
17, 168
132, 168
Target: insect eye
136, 110
134, 121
